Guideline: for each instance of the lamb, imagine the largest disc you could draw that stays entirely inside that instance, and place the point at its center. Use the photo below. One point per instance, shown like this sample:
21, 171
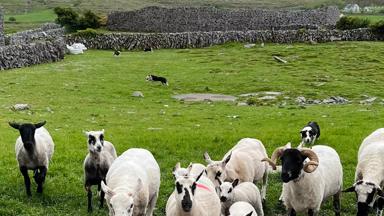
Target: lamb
34, 149
97, 162
308, 183
193, 169
242, 162
242, 209
230, 193
369, 175
193, 197
132, 184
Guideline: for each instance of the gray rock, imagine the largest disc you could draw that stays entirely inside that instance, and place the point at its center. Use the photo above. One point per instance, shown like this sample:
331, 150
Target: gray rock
137, 94
268, 97
204, 97
20, 107
368, 101
249, 45
242, 104
301, 100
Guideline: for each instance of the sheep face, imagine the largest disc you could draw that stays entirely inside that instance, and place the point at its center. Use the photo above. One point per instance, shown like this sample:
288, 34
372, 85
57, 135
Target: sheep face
185, 188
365, 193
216, 169
27, 132
122, 204
292, 164
226, 190
119, 203
95, 141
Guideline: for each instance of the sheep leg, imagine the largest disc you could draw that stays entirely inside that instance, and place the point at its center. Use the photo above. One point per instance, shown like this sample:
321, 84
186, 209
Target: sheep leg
102, 194
152, 204
291, 212
336, 203
89, 194
259, 208
40, 178
27, 181
264, 186
380, 205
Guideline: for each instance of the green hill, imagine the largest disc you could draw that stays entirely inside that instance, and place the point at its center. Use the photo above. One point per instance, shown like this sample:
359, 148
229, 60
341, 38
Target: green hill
22, 6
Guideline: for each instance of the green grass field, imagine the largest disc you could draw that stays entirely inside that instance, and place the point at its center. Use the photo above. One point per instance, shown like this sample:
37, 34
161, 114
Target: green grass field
372, 18
28, 20
93, 91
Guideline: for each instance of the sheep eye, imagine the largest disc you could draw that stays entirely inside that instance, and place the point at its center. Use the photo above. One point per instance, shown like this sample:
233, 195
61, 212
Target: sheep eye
218, 174
230, 190
179, 188
101, 137
131, 206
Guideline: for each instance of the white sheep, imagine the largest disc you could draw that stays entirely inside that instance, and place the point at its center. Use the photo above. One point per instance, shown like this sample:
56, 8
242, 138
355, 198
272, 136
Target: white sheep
193, 197
242, 162
242, 209
133, 184
308, 183
230, 193
101, 154
369, 175
34, 149
193, 169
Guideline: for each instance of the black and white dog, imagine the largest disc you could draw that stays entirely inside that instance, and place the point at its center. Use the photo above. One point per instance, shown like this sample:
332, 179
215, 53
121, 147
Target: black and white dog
310, 133
154, 78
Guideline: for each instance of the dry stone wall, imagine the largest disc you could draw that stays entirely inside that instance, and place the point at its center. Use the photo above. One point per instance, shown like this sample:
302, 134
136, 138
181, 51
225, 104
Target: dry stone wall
189, 19
23, 55
48, 31
2, 42
130, 41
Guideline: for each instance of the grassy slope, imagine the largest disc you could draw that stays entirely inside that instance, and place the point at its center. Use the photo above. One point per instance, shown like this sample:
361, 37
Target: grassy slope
372, 18
107, 5
28, 20
93, 91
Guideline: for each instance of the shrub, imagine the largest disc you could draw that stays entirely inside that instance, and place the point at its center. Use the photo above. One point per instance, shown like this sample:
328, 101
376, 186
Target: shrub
378, 27
67, 17
12, 19
87, 33
89, 20
349, 22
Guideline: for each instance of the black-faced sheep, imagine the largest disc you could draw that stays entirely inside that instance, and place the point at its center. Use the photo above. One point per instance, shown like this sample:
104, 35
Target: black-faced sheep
34, 149
308, 183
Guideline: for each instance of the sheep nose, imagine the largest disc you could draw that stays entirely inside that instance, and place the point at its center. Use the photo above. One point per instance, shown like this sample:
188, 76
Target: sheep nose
223, 199
98, 148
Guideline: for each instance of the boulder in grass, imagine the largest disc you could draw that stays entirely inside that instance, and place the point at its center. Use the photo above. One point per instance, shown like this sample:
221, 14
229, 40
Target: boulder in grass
20, 107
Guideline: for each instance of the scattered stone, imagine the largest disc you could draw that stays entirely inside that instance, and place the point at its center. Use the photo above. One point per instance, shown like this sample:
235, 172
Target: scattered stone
233, 116
301, 100
249, 94
249, 45
204, 97
368, 101
272, 93
277, 58
252, 94
335, 100
151, 128
242, 104
268, 97
20, 107
262, 44
137, 94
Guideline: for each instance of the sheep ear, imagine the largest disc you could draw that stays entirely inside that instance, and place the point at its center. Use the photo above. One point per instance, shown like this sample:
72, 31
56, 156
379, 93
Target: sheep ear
14, 125
175, 168
249, 214
380, 192
102, 131
235, 183
199, 176
207, 158
40, 124
190, 165
106, 189
288, 145
86, 133
224, 163
350, 189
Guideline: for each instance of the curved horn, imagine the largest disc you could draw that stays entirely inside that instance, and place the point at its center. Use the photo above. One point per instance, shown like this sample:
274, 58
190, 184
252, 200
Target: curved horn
275, 155
313, 160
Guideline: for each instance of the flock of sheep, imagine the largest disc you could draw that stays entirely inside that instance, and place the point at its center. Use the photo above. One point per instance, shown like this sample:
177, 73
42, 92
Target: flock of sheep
130, 182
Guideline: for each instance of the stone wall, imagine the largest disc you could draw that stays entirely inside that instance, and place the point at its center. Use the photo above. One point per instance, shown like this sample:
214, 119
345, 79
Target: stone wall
140, 41
206, 19
23, 55
1, 27
48, 31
